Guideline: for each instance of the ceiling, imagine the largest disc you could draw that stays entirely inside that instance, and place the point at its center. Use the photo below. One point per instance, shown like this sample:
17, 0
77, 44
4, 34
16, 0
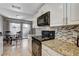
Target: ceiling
19, 10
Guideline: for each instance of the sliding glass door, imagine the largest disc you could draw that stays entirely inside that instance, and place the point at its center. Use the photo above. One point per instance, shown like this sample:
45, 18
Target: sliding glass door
20, 27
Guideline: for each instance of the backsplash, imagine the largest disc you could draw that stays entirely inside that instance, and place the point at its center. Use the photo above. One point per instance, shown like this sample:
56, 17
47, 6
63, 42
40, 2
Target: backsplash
66, 33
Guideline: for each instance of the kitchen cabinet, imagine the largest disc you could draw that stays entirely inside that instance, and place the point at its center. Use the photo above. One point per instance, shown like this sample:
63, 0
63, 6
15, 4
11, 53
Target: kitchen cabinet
60, 14
46, 51
36, 47
57, 14
72, 13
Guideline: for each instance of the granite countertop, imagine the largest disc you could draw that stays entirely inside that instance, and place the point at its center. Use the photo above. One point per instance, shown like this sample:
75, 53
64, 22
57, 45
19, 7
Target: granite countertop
62, 47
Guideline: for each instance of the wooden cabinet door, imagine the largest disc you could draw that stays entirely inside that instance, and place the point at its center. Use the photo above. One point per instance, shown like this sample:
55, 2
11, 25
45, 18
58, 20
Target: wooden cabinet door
73, 13
36, 48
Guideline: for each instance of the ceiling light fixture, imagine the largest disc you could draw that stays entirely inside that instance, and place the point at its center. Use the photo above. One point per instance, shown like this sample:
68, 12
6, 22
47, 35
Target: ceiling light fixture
19, 17
16, 7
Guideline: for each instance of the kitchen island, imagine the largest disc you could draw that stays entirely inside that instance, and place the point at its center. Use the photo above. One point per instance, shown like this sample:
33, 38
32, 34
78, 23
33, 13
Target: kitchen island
61, 47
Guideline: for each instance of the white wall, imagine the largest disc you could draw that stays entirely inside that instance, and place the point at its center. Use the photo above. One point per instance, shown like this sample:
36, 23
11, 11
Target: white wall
1, 38
1, 24
5, 25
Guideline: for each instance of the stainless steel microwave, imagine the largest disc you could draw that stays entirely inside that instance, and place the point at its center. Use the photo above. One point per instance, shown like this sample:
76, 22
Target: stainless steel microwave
44, 20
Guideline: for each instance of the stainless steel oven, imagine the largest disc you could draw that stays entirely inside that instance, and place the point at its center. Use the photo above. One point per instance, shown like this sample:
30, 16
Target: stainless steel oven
48, 34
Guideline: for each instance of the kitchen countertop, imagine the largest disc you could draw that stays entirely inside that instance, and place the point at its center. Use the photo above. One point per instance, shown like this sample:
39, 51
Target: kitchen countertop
40, 38
62, 47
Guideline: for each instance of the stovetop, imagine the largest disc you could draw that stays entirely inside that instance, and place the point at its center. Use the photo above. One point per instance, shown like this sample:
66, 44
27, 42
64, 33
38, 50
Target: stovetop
40, 38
